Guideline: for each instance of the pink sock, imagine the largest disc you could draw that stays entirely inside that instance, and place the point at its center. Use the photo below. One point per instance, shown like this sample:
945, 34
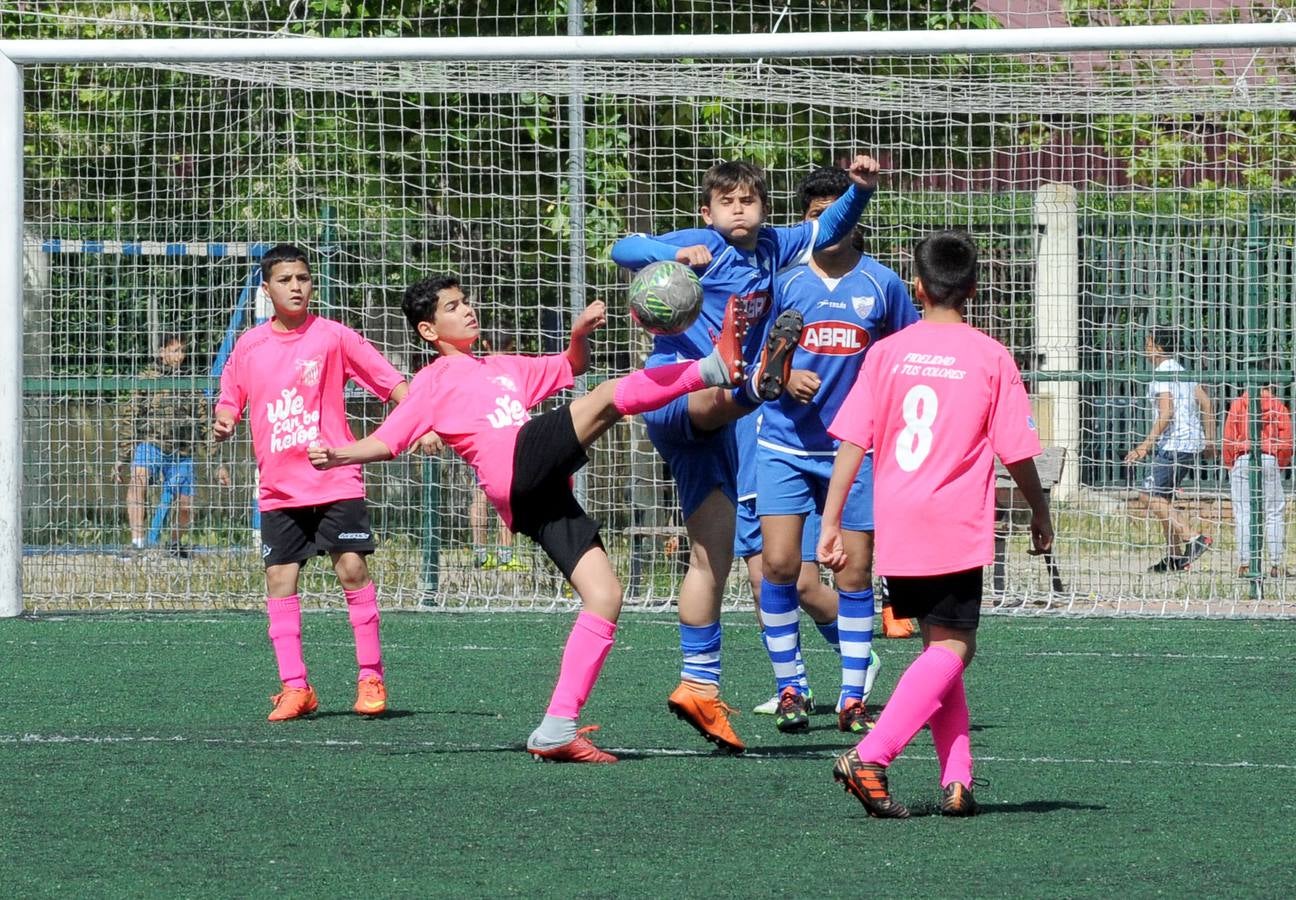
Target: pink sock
587, 647
362, 608
915, 698
650, 389
285, 637
949, 727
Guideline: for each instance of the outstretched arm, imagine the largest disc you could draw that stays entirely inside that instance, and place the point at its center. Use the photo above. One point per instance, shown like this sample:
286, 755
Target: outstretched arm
365, 450
578, 351
638, 250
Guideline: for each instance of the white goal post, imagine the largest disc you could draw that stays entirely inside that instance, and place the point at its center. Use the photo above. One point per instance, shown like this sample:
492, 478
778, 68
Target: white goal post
385, 56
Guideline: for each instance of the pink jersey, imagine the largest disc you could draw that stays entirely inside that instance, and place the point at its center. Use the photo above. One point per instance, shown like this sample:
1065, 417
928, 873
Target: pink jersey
477, 404
292, 383
937, 402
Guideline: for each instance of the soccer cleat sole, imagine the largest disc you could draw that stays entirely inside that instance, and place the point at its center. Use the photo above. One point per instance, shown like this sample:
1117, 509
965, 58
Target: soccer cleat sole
721, 743
797, 725
776, 359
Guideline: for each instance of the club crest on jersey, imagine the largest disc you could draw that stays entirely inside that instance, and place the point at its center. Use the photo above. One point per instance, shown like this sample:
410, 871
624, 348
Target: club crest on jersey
309, 371
833, 338
506, 383
863, 305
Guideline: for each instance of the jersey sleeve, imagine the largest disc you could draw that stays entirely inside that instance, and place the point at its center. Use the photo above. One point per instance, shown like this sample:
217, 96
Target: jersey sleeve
638, 250
409, 420
542, 376
838, 220
233, 393
855, 418
367, 366
1013, 435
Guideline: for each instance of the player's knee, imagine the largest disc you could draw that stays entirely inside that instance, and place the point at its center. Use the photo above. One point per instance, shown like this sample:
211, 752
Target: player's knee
781, 568
352, 571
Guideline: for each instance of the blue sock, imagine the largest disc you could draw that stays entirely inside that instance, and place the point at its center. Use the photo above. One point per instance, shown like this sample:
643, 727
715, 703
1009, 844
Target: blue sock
780, 613
855, 623
830, 634
700, 645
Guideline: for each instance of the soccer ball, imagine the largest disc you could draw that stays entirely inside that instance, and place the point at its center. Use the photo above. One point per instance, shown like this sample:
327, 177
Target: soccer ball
665, 297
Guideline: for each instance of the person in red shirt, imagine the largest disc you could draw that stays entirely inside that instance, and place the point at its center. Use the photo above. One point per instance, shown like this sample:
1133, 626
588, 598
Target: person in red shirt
1275, 427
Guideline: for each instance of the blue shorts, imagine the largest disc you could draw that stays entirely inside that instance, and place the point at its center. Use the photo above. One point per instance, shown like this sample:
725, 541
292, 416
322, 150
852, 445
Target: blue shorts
171, 470
1167, 469
747, 533
789, 485
699, 462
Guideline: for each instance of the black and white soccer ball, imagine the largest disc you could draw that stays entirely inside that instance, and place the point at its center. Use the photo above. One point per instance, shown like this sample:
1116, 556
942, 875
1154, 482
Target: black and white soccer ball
665, 297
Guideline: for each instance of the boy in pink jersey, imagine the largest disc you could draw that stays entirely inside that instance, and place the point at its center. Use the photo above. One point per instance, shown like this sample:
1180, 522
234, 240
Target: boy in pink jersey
936, 402
479, 406
290, 374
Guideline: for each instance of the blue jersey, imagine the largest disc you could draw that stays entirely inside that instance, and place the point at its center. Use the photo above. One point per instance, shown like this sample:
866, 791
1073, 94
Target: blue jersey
732, 272
735, 273
843, 317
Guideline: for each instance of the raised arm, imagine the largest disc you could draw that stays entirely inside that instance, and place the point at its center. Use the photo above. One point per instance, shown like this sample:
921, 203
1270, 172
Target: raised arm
837, 220
578, 351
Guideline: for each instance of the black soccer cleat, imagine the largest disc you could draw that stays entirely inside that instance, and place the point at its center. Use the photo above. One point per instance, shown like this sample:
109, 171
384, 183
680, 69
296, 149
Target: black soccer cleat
868, 782
776, 357
791, 716
957, 800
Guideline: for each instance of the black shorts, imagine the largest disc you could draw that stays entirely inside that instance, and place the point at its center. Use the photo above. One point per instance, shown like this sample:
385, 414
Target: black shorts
295, 534
952, 600
546, 456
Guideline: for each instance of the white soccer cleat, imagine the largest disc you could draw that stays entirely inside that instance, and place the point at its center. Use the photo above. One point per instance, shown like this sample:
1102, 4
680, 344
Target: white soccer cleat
768, 708
870, 675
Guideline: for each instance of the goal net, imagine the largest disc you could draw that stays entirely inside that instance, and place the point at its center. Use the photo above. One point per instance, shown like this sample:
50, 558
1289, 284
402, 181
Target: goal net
1111, 193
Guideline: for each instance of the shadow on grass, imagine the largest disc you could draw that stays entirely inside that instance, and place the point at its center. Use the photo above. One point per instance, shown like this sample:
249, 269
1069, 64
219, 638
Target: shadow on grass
921, 810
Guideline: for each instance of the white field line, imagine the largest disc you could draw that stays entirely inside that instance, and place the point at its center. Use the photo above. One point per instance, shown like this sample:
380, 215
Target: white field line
452, 747
630, 648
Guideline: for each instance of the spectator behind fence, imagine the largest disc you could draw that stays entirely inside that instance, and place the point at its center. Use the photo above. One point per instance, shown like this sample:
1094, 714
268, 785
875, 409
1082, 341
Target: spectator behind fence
163, 425
1275, 455
1183, 431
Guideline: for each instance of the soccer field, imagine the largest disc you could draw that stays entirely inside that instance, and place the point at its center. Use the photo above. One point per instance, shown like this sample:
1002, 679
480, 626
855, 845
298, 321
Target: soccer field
1146, 757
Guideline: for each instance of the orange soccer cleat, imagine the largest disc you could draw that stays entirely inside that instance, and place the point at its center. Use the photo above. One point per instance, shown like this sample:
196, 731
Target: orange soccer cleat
293, 703
578, 750
708, 714
371, 696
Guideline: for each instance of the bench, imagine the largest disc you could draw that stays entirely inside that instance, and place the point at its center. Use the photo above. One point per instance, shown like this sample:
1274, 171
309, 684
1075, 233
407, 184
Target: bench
1012, 512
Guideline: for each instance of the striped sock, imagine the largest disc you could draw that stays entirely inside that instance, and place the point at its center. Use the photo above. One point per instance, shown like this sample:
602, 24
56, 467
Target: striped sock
830, 633
700, 645
855, 623
780, 613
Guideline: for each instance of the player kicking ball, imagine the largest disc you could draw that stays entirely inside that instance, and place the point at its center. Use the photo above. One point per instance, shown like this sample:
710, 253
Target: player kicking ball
936, 402
479, 405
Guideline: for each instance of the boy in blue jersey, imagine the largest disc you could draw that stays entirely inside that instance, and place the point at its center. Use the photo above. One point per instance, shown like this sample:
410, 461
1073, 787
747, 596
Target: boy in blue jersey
815, 597
737, 257
848, 300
